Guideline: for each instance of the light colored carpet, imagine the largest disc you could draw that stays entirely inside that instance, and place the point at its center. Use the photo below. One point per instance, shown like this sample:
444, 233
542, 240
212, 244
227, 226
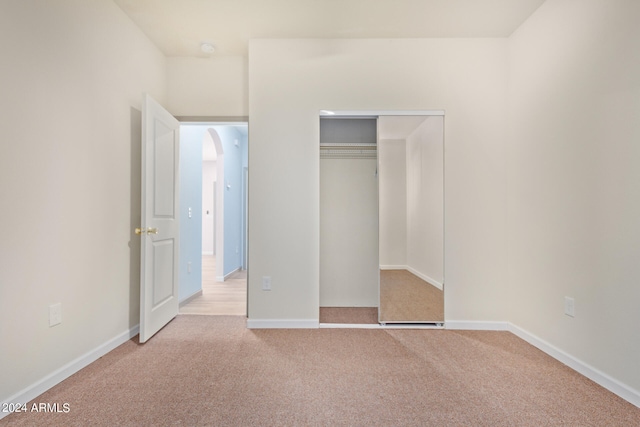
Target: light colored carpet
404, 297
212, 371
349, 315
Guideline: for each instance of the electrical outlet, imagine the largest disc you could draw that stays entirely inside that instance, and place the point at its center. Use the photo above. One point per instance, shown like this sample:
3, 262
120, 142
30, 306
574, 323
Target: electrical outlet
266, 283
55, 314
569, 306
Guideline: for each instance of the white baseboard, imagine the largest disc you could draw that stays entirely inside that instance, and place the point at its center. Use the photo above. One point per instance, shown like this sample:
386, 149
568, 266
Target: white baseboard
283, 324
379, 326
226, 276
315, 324
393, 267
425, 278
69, 369
188, 299
461, 325
627, 393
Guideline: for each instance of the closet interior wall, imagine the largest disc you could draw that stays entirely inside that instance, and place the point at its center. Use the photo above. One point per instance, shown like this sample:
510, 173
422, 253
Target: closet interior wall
348, 213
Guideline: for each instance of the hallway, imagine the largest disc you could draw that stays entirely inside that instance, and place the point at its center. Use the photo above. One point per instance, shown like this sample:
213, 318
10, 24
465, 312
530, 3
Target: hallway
219, 298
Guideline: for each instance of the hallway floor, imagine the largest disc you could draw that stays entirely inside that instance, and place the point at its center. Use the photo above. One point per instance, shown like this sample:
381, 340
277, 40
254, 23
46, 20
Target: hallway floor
219, 298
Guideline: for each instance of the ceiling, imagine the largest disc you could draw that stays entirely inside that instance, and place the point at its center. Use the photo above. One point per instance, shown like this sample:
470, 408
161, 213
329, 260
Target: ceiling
179, 27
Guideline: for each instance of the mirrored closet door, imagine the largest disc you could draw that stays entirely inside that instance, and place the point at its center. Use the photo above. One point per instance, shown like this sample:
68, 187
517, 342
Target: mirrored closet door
411, 218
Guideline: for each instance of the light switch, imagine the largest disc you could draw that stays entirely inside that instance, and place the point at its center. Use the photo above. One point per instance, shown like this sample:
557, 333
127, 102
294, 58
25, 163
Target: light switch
55, 314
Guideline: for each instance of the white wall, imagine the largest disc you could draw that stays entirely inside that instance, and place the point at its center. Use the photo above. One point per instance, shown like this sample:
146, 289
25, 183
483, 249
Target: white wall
348, 233
72, 78
213, 87
291, 80
573, 193
425, 210
392, 156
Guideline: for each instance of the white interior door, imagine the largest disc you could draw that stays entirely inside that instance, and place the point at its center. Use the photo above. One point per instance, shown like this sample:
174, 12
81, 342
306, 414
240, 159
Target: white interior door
160, 207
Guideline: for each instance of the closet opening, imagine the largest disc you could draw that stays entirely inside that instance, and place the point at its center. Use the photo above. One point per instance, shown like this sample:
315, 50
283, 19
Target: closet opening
382, 219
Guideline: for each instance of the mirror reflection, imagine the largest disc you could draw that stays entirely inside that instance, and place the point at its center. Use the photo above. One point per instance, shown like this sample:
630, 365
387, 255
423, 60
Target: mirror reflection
411, 219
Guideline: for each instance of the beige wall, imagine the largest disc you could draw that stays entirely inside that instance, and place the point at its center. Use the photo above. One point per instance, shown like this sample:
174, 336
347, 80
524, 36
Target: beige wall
573, 194
291, 80
72, 78
214, 87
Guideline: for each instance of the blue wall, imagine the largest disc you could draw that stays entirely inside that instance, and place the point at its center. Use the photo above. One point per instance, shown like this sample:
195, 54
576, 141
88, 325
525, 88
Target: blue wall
191, 138
235, 158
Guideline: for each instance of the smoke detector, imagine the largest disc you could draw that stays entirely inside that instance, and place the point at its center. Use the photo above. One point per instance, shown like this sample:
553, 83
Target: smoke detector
207, 48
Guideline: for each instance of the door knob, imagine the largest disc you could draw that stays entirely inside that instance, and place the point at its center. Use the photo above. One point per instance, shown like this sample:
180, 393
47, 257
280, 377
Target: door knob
149, 230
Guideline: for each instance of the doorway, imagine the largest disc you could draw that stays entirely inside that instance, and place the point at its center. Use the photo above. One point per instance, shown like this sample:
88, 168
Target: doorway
213, 205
